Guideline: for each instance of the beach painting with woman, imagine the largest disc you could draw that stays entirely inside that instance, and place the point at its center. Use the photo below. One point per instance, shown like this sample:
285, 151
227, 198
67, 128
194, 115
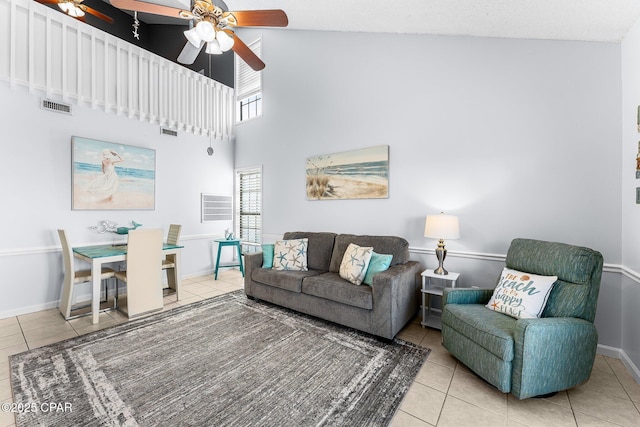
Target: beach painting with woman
110, 176
357, 174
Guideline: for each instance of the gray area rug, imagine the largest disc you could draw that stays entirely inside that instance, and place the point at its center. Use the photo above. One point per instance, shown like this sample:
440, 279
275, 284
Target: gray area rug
226, 361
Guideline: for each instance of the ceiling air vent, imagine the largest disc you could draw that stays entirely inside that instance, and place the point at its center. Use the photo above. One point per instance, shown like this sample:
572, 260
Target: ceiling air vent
170, 132
58, 107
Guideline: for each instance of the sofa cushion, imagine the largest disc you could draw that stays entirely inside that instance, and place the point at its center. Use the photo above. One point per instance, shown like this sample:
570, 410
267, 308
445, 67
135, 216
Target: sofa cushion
378, 264
489, 329
332, 287
283, 279
267, 255
396, 246
355, 263
290, 255
319, 249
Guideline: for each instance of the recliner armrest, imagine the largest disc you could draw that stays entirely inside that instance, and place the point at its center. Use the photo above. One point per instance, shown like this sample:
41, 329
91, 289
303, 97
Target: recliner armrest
466, 296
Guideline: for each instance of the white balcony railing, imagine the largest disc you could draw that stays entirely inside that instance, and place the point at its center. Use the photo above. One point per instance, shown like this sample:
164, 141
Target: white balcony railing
68, 60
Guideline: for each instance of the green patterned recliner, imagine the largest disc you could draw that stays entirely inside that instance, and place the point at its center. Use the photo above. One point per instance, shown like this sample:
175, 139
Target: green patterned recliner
530, 357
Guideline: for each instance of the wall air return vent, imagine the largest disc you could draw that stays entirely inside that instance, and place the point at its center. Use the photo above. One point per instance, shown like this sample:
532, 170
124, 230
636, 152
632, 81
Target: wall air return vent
58, 107
216, 208
167, 131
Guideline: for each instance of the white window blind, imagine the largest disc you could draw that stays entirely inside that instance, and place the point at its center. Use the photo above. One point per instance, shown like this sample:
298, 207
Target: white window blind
248, 81
248, 215
216, 207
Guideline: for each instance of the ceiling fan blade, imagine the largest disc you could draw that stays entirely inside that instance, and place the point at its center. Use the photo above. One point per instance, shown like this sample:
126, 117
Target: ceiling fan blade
48, 1
97, 14
261, 18
140, 6
189, 53
247, 55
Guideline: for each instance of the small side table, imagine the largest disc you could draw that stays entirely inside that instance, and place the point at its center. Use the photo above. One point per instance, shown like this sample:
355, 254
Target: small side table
430, 315
233, 243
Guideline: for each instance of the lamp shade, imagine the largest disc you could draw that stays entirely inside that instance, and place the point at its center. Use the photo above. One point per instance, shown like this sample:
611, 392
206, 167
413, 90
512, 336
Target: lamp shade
193, 37
442, 227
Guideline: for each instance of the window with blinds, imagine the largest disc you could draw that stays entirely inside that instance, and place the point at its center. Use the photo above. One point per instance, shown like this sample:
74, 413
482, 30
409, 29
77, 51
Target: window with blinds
248, 88
248, 212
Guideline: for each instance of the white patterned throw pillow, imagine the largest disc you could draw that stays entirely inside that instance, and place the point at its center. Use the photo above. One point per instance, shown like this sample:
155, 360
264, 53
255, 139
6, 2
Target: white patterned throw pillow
355, 263
521, 295
290, 255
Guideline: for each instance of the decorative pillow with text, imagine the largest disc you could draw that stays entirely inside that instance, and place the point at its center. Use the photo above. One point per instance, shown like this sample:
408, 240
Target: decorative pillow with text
521, 295
290, 255
355, 263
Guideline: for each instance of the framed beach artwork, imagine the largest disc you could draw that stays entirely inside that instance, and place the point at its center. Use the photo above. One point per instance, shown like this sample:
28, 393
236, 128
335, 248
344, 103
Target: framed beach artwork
357, 174
110, 176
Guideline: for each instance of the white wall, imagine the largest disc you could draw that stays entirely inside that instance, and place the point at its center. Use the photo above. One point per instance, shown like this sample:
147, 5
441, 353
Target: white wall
630, 292
36, 193
519, 138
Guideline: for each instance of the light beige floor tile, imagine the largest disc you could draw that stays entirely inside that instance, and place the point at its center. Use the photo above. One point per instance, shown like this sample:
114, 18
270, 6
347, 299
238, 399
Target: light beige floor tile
7, 419
6, 352
190, 299
424, 403
456, 413
442, 357
606, 383
435, 376
171, 306
117, 316
41, 342
562, 399
40, 322
11, 329
539, 413
463, 368
472, 389
82, 329
48, 331
5, 390
4, 369
8, 321
52, 312
197, 289
585, 420
213, 293
612, 409
601, 365
11, 340
402, 419
412, 333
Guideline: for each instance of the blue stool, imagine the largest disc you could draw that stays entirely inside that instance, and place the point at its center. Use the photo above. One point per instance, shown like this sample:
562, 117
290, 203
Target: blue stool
221, 244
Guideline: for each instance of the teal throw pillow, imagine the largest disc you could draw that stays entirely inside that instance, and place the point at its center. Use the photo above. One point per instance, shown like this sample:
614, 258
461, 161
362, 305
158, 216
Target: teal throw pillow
267, 255
378, 264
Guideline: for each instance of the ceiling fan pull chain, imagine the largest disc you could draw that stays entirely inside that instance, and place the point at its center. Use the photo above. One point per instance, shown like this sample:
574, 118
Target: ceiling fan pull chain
136, 24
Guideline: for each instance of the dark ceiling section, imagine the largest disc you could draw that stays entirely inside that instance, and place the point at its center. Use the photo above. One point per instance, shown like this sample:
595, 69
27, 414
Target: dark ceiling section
163, 40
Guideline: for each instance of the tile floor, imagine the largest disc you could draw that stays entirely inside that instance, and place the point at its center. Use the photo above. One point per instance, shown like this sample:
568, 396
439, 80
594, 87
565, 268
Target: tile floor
444, 393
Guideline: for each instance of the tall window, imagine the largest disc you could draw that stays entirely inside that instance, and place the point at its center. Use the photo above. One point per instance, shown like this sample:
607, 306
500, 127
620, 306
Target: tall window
248, 212
248, 86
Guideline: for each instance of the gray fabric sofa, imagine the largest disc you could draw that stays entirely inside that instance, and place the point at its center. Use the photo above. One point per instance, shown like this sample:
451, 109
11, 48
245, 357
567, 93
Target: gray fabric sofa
381, 309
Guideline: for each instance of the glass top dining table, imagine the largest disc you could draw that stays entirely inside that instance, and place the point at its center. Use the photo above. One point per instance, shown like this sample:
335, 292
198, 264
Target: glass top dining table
98, 255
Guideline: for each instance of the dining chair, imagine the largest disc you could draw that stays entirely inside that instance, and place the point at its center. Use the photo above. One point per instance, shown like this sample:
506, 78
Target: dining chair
73, 277
143, 274
169, 262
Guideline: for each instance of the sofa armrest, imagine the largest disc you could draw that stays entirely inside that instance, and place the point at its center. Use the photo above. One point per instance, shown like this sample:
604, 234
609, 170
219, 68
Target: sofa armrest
466, 296
551, 354
252, 261
395, 296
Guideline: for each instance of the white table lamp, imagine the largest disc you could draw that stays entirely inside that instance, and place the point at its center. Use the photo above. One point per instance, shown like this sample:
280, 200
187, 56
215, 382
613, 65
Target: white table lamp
441, 227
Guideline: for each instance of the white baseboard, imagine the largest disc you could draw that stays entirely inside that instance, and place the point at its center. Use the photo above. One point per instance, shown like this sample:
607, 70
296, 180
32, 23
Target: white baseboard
617, 353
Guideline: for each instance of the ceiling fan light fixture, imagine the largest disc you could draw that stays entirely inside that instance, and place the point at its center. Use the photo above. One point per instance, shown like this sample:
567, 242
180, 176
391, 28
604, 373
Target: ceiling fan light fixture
206, 31
213, 48
225, 41
75, 11
193, 37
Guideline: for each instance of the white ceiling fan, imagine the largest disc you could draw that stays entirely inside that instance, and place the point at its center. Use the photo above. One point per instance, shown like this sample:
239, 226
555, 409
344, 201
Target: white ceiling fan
213, 26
